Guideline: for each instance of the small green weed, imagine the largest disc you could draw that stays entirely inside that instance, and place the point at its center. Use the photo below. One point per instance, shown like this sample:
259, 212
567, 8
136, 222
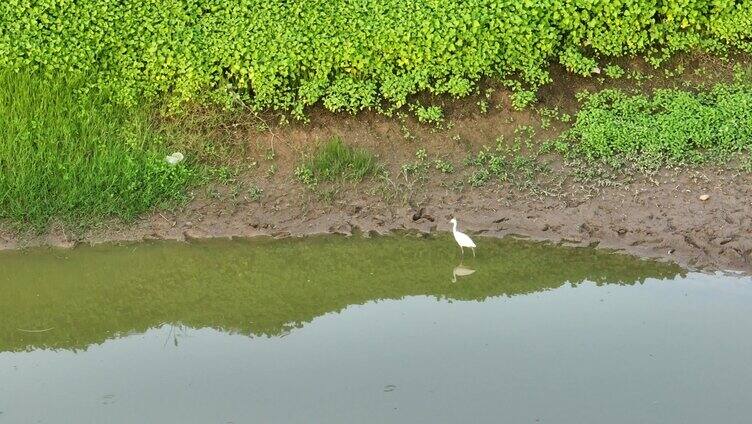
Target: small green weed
614, 71
404, 129
671, 73
482, 106
420, 167
222, 174
742, 74
304, 174
443, 166
255, 193
548, 115
272, 170
429, 114
522, 98
479, 177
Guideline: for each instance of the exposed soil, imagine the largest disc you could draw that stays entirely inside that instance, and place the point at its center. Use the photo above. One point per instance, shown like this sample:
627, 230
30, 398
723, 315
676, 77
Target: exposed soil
664, 220
658, 216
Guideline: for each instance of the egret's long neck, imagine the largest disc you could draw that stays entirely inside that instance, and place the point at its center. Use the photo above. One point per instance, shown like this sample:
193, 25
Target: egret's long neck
454, 227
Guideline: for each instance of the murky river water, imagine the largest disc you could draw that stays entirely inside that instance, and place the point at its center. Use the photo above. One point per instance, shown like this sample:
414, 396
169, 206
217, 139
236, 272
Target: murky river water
336, 330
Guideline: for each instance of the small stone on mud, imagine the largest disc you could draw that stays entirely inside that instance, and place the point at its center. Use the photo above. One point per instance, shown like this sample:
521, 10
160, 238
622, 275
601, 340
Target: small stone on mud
345, 229
546, 227
621, 231
418, 214
66, 243
705, 197
188, 224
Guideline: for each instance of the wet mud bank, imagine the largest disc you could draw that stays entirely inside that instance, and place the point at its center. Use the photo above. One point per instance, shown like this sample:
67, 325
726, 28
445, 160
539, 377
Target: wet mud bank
661, 217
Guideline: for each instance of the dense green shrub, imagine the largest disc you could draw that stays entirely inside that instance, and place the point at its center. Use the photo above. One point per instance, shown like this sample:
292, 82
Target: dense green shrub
670, 126
76, 156
348, 54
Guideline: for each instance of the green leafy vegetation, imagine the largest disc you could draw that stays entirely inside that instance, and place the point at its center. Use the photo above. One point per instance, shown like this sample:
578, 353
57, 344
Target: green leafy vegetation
668, 127
73, 155
347, 55
429, 114
614, 71
522, 99
77, 137
336, 160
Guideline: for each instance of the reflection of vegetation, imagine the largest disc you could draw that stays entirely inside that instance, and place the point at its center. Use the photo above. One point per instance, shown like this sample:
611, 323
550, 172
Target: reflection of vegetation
266, 287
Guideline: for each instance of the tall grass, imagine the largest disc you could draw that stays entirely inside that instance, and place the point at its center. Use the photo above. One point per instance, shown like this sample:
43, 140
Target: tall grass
336, 160
73, 155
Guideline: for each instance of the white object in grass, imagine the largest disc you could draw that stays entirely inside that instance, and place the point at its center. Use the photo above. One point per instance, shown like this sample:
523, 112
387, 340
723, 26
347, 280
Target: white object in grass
174, 158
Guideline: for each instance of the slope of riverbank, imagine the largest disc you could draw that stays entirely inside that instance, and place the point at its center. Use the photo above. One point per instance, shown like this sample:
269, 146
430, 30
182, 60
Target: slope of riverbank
480, 161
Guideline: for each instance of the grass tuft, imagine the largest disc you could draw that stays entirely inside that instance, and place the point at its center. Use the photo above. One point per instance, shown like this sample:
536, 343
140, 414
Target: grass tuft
72, 155
336, 160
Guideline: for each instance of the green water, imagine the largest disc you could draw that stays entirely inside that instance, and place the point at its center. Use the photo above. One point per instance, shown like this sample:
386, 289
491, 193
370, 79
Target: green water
387, 329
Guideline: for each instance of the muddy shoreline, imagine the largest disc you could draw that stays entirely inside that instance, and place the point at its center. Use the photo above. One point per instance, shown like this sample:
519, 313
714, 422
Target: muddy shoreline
661, 217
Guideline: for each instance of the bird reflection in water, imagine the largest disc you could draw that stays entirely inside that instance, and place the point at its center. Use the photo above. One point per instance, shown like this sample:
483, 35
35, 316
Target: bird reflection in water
461, 271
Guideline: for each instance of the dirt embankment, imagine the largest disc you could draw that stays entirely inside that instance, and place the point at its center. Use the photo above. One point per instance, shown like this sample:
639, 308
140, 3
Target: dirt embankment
659, 216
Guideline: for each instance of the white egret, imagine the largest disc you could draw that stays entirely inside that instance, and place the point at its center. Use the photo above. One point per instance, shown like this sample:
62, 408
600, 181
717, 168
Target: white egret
462, 239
